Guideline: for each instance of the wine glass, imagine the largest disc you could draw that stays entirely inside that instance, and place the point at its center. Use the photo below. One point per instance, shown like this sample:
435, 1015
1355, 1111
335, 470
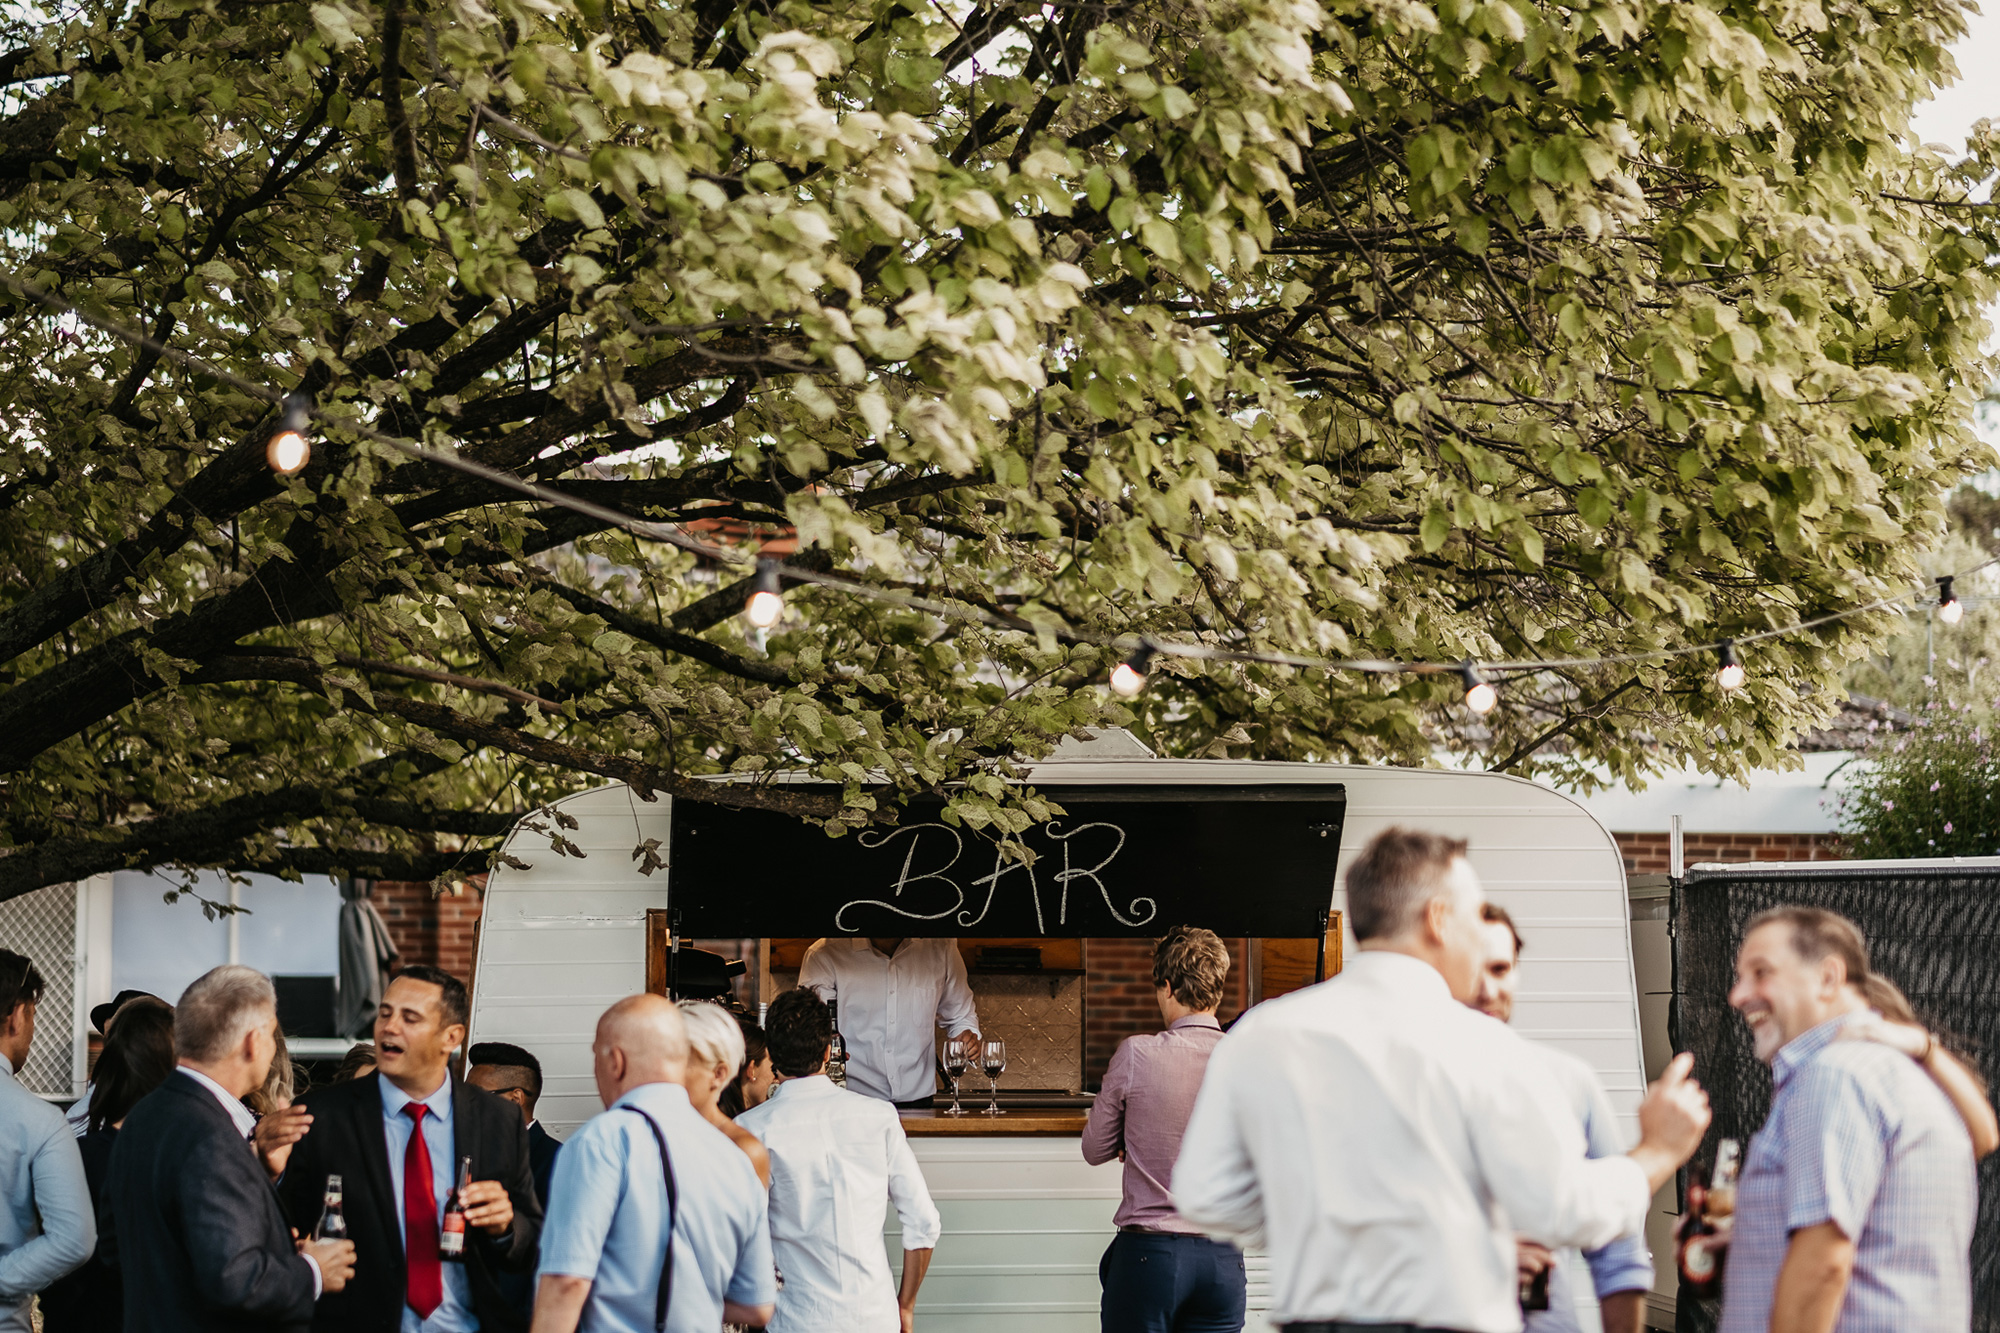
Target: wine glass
993, 1059
954, 1069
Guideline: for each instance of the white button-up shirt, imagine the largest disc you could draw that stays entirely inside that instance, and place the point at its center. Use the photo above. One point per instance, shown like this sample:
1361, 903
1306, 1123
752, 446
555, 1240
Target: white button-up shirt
1386, 1142
837, 1161
891, 1008
454, 1314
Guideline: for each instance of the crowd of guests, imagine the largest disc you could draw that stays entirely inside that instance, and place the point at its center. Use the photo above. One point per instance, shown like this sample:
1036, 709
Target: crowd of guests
1407, 1160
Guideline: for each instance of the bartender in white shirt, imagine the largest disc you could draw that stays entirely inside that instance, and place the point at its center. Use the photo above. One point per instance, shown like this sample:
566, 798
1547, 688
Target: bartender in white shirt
894, 995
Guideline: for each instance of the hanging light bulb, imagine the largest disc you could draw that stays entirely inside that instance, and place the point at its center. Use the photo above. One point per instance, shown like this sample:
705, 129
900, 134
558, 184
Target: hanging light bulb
1728, 671
1949, 609
767, 603
1128, 678
288, 451
1480, 696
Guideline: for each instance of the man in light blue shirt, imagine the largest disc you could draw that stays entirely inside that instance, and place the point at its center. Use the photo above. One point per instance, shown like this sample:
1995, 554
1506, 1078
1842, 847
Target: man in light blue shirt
607, 1229
1855, 1209
47, 1227
1622, 1271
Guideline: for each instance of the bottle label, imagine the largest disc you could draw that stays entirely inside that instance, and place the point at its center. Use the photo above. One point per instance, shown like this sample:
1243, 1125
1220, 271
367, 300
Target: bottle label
1698, 1260
451, 1241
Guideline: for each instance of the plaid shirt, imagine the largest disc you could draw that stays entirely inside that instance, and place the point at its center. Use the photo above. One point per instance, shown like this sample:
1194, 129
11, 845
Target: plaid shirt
1859, 1136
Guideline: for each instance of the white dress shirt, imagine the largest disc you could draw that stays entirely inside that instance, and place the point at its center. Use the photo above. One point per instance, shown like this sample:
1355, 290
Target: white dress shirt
1386, 1142
454, 1313
891, 1008
837, 1160
245, 1122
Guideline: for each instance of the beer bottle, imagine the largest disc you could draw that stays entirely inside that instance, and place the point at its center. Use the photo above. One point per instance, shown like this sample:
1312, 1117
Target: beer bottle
1704, 1245
332, 1221
836, 1050
451, 1239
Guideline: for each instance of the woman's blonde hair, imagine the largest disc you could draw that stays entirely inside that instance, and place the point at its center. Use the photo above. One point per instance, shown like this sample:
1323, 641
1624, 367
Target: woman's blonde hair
713, 1035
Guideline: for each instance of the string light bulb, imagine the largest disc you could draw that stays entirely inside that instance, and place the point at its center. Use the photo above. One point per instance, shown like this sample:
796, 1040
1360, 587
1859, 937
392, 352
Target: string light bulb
767, 603
1728, 671
1480, 695
288, 451
1128, 678
1949, 609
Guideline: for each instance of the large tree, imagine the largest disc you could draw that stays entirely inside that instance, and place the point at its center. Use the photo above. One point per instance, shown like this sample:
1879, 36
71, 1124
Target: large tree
1492, 330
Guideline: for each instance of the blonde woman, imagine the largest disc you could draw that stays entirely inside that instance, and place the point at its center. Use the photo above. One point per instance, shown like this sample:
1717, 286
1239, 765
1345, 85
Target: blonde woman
715, 1054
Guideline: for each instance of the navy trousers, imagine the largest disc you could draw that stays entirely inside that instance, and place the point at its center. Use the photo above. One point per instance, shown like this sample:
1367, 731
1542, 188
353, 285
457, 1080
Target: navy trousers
1171, 1284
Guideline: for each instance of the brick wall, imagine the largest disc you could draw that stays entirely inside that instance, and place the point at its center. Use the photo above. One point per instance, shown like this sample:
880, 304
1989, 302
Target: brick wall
442, 931
1118, 998
1646, 853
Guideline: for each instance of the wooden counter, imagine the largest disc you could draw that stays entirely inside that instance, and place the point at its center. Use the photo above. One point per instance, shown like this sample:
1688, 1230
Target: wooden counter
1024, 1123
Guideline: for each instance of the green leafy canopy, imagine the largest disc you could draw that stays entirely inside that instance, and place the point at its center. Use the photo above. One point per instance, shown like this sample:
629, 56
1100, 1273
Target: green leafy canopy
1370, 328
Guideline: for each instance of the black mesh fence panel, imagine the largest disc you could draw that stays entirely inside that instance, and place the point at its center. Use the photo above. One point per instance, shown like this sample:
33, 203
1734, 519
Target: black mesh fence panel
1933, 931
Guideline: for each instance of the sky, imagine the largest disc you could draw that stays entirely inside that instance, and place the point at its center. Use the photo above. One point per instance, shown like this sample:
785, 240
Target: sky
1948, 117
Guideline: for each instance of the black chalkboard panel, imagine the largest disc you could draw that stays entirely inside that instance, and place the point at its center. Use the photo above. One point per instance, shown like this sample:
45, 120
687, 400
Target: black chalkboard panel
1122, 861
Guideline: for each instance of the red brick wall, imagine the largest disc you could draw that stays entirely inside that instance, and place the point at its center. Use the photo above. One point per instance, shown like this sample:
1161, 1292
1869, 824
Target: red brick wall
1646, 853
1118, 998
442, 931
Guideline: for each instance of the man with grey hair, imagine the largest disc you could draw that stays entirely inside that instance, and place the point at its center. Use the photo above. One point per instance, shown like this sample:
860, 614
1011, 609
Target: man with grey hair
1386, 1141
194, 1224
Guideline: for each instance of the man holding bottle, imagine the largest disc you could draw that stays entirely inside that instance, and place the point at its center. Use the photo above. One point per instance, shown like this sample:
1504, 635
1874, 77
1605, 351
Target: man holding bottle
893, 996
1855, 1207
438, 1193
1620, 1272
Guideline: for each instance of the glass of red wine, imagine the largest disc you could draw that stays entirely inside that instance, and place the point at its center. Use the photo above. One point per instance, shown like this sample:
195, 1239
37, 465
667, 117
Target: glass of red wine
993, 1060
954, 1069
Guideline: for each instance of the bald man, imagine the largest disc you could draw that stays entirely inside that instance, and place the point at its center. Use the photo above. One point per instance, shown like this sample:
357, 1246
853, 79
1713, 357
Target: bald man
608, 1228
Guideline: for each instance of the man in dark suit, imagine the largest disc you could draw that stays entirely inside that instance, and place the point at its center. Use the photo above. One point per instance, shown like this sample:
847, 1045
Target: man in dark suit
189, 1216
396, 1138
513, 1072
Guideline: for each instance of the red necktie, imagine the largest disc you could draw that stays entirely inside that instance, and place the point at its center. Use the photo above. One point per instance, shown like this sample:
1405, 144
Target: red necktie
420, 1224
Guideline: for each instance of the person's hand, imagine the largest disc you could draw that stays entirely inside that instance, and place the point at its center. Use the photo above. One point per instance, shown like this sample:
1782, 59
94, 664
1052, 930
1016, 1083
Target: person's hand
276, 1133
335, 1259
1531, 1258
1908, 1038
906, 1318
487, 1207
1675, 1113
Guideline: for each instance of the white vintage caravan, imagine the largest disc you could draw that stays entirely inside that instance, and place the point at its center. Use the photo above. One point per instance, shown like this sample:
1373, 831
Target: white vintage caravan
1025, 1219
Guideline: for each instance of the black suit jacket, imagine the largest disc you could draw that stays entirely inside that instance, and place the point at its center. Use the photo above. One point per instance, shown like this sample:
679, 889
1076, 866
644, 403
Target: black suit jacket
347, 1139
190, 1221
542, 1149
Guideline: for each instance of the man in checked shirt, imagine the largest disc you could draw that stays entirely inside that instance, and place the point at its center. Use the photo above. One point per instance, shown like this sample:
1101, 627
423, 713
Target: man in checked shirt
1856, 1203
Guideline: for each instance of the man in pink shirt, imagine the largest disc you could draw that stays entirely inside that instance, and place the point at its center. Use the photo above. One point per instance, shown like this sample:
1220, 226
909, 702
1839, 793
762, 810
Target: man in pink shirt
1161, 1275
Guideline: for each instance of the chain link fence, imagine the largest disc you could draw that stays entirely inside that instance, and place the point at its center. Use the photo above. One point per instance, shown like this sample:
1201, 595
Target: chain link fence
42, 925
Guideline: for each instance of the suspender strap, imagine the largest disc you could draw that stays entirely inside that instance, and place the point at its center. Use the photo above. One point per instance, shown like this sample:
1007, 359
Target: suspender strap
666, 1293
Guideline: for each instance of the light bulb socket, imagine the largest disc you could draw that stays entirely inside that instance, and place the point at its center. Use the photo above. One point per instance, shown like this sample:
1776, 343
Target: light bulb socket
1480, 693
288, 450
1728, 671
1128, 678
1949, 608
765, 605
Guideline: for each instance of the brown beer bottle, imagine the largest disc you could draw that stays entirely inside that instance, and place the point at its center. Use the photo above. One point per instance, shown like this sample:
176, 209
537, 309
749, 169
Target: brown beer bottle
451, 1237
1704, 1246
